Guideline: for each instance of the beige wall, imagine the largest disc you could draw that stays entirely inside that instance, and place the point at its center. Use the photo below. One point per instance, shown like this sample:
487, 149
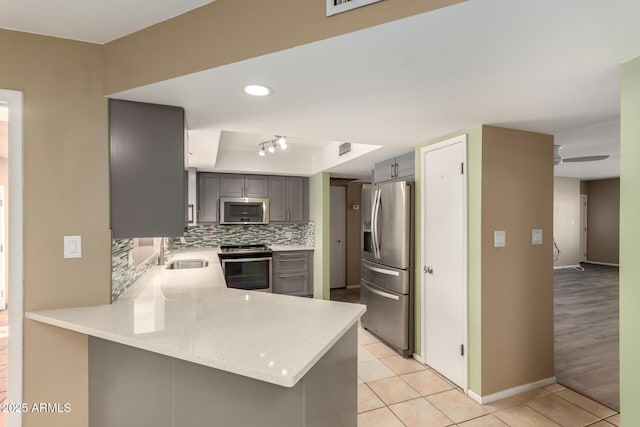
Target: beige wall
227, 31
603, 220
566, 220
517, 281
65, 192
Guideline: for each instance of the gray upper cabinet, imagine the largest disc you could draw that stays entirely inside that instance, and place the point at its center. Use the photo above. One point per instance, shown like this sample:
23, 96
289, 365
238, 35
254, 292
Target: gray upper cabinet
298, 196
401, 168
208, 196
147, 180
232, 185
288, 199
277, 198
256, 186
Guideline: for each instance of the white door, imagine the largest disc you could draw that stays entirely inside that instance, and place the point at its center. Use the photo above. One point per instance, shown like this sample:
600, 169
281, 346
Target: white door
338, 203
3, 249
444, 259
583, 228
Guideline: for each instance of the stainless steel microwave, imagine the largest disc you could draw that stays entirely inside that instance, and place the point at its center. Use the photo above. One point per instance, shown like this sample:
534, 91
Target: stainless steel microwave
244, 210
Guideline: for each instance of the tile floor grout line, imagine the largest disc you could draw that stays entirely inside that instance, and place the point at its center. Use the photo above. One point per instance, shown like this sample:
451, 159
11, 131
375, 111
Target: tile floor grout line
546, 416
608, 407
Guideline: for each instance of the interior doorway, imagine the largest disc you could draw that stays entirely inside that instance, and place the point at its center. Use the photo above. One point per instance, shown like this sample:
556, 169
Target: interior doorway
586, 296
583, 227
338, 208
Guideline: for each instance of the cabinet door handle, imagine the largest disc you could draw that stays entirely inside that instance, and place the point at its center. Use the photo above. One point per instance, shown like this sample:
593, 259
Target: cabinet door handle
391, 170
292, 276
293, 260
396, 170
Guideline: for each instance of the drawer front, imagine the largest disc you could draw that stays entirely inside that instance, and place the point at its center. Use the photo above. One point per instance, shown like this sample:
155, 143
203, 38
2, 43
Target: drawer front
387, 314
291, 283
291, 261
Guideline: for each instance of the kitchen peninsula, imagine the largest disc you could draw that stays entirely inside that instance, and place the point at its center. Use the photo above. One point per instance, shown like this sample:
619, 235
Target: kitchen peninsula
179, 348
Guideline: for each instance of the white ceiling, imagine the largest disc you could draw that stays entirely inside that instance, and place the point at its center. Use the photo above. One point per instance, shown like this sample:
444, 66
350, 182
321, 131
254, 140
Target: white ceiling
542, 65
91, 21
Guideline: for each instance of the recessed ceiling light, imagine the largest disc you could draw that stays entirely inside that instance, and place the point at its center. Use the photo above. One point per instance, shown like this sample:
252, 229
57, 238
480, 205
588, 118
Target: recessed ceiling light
257, 90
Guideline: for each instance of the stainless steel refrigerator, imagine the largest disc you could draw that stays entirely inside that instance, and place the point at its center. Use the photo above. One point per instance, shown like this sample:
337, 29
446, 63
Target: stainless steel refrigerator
387, 263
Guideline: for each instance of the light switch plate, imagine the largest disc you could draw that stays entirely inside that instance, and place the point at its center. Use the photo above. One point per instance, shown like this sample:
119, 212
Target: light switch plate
536, 236
73, 246
499, 238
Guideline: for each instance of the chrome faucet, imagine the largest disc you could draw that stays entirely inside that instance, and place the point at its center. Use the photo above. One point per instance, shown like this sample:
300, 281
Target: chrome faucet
161, 257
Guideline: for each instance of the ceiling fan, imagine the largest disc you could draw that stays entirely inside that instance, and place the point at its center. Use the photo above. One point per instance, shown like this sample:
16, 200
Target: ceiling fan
558, 159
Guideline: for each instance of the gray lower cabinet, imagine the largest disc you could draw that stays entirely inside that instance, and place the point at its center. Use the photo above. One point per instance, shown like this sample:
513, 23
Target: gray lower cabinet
292, 273
288, 199
208, 197
233, 185
147, 170
133, 387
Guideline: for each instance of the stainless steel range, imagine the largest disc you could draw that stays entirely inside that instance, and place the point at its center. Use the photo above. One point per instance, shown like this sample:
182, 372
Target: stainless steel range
247, 266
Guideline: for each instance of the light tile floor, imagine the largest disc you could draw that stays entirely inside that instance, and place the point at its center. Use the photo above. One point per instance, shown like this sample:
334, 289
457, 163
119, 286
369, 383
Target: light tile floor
393, 391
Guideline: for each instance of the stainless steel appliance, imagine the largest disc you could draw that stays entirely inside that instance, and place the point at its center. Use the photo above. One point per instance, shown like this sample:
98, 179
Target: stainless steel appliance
247, 267
387, 263
244, 210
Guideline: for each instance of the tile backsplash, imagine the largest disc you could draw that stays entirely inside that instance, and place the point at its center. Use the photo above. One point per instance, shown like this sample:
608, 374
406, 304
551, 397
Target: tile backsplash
124, 272
215, 235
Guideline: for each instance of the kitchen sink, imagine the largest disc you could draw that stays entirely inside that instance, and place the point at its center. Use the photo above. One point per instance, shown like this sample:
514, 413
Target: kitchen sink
187, 263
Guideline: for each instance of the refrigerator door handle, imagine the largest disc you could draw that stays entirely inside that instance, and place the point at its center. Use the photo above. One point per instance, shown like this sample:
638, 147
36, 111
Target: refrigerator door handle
382, 270
382, 294
374, 223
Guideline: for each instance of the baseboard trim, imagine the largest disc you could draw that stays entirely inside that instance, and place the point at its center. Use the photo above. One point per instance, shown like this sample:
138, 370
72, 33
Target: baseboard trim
418, 358
560, 267
510, 392
603, 263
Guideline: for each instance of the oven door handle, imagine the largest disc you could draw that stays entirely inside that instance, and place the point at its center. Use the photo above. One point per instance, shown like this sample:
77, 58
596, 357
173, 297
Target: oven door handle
225, 260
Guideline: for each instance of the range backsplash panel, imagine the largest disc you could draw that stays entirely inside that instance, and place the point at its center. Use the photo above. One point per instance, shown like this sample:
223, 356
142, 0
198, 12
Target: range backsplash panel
200, 236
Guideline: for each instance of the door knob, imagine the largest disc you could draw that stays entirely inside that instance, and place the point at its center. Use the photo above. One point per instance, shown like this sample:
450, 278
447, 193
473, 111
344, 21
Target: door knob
428, 269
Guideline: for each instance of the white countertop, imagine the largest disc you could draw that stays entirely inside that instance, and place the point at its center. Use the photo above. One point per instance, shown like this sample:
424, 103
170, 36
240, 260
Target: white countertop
282, 248
191, 315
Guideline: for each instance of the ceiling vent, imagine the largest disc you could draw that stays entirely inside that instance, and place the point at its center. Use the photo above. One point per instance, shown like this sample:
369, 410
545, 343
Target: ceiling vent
344, 149
338, 6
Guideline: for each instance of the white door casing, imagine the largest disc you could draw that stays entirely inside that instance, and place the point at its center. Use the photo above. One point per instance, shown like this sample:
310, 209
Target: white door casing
338, 208
14, 99
444, 259
3, 249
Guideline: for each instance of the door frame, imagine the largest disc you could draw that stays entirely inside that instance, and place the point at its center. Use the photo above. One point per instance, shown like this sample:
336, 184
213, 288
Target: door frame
461, 139
14, 100
3, 249
584, 214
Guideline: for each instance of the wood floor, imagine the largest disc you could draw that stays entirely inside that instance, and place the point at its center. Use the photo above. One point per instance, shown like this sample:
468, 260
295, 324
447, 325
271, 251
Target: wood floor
587, 332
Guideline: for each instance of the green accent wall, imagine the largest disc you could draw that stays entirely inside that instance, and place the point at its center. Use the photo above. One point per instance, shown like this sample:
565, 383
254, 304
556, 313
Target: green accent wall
474, 177
319, 214
629, 266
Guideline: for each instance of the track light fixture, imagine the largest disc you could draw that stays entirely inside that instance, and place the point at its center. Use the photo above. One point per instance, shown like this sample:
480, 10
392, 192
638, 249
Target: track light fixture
272, 145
